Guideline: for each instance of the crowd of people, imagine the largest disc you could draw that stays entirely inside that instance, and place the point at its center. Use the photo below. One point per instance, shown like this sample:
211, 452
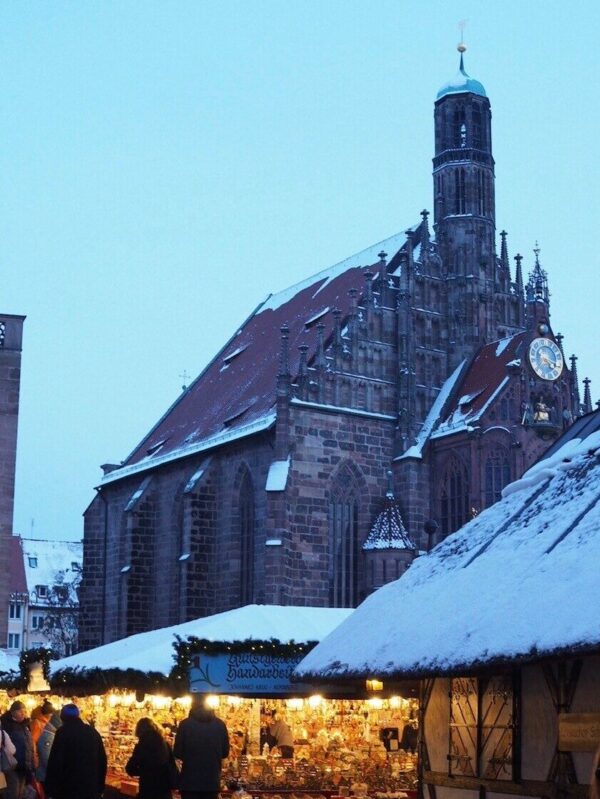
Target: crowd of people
56, 755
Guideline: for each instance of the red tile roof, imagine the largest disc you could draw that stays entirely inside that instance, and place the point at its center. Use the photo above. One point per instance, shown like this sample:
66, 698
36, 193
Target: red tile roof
482, 380
238, 386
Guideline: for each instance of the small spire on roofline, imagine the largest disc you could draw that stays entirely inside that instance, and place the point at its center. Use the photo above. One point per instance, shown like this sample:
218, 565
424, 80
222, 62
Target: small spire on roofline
587, 396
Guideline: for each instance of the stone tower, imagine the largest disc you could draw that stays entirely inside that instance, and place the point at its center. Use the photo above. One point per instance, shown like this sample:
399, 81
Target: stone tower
11, 336
464, 211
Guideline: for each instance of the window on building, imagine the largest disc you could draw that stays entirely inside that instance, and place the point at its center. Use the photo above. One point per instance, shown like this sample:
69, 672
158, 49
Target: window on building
477, 128
37, 621
460, 129
459, 191
246, 511
33, 562
14, 610
41, 590
14, 640
483, 727
454, 496
497, 474
61, 592
344, 545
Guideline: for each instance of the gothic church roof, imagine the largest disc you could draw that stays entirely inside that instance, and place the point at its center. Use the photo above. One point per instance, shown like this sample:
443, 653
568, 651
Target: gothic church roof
235, 395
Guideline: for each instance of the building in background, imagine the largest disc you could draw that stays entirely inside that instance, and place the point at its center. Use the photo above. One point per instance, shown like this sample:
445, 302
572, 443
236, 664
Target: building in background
44, 602
425, 355
11, 338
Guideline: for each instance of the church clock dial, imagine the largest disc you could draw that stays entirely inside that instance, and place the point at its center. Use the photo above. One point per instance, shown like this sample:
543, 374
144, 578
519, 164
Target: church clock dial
545, 358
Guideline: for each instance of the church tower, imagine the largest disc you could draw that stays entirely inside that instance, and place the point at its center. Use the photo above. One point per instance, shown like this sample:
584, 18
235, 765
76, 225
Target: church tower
464, 210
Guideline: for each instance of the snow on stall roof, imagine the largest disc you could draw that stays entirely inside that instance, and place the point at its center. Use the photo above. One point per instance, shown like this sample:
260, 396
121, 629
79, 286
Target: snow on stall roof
278, 475
519, 581
153, 651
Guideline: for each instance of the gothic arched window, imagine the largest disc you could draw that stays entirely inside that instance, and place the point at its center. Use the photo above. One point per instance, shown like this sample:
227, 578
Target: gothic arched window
246, 516
344, 544
454, 496
460, 128
477, 128
497, 474
459, 191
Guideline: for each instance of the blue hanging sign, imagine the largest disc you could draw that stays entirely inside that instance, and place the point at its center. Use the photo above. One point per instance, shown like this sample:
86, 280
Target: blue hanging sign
247, 674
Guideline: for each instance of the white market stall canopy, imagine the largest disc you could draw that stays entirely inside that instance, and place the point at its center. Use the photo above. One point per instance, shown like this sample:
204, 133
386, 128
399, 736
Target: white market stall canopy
518, 582
153, 651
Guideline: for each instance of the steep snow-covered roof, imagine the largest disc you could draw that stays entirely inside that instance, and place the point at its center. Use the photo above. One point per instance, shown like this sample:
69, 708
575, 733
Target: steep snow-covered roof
153, 651
518, 582
49, 563
235, 395
388, 531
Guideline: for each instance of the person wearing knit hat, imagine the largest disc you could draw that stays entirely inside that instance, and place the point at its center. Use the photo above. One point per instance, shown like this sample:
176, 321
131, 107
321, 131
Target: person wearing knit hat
77, 763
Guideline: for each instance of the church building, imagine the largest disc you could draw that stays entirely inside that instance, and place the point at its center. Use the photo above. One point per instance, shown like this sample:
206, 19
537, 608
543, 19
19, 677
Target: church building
352, 421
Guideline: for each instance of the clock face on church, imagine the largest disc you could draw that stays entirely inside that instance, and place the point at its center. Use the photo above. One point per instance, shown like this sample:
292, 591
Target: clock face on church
545, 358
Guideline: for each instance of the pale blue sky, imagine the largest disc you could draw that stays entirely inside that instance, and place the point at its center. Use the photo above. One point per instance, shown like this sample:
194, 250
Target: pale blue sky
165, 165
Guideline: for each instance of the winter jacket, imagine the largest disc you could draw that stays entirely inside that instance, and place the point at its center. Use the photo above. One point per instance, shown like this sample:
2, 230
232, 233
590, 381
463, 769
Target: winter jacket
77, 763
152, 761
201, 743
44, 745
20, 735
6, 743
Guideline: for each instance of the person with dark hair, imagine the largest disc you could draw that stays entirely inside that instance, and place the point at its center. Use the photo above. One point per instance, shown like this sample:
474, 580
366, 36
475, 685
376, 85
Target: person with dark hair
201, 744
77, 763
281, 735
16, 724
152, 761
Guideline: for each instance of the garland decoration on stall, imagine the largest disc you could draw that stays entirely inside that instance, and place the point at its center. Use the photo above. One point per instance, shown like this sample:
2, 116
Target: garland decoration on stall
40, 654
90, 682
186, 649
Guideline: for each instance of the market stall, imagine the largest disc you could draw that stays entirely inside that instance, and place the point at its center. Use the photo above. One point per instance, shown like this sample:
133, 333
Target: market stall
352, 743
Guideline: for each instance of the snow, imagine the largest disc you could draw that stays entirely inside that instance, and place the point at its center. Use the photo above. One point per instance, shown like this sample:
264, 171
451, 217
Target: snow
518, 581
461, 419
316, 317
224, 436
193, 481
365, 258
340, 409
278, 475
54, 561
9, 661
138, 493
153, 651
515, 362
230, 356
434, 414
502, 345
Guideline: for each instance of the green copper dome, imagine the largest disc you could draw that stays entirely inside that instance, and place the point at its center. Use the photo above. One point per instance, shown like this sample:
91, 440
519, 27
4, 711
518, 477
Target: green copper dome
461, 83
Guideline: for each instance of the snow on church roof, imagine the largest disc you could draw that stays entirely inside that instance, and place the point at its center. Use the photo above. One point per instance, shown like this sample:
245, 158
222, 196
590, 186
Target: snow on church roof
518, 582
153, 651
235, 394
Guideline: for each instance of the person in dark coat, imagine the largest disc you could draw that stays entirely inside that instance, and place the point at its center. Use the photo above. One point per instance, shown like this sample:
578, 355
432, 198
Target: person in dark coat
44, 745
201, 744
152, 761
77, 763
15, 723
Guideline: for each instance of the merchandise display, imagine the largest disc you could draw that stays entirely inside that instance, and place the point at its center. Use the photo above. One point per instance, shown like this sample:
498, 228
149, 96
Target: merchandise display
341, 747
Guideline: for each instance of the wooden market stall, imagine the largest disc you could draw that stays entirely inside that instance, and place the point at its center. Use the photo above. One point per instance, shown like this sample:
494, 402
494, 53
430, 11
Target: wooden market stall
346, 740
501, 624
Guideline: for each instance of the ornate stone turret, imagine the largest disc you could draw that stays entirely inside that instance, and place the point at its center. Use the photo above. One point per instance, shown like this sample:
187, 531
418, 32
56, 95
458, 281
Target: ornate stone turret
388, 548
576, 401
538, 295
587, 396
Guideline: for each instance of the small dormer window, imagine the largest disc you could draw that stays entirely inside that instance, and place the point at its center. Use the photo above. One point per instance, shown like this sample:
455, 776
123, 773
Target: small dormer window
61, 592
41, 591
76, 567
33, 562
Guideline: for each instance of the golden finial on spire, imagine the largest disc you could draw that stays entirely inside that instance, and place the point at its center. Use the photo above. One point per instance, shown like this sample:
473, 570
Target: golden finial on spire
461, 47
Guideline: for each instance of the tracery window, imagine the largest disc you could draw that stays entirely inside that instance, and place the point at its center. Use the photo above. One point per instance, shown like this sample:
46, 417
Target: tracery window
246, 511
344, 545
477, 128
460, 129
497, 474
459, 191
454, 496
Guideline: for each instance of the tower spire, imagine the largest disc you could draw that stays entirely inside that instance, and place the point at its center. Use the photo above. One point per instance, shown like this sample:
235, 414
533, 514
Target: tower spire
587, 396
575, 386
